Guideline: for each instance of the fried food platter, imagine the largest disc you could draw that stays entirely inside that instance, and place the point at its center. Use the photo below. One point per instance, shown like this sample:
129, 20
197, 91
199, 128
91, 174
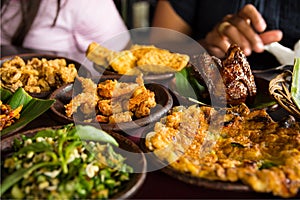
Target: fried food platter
155, 63
64, 95
29, 65
212, 159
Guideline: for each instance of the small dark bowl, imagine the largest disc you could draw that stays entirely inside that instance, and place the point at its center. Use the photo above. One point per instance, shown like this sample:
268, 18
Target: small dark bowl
133, 154
163, 99
43, 95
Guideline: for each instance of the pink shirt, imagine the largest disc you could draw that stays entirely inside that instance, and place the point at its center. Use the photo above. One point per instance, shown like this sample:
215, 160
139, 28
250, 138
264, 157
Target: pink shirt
79, 23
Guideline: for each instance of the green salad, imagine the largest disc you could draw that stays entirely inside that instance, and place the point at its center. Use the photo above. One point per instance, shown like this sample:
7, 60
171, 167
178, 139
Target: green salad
64, 163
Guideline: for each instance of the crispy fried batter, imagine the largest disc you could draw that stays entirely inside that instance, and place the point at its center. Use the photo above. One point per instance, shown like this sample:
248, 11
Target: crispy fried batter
87, 100
250, 147
162, 61
112, 101
37, 75
8, 115
138, 59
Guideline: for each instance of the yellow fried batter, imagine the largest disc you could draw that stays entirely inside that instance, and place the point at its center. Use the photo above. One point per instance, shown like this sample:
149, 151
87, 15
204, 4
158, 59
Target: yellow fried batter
138, 59
249, 147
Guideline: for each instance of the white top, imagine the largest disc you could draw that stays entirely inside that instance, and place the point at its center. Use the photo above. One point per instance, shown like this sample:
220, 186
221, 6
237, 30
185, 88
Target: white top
79, 23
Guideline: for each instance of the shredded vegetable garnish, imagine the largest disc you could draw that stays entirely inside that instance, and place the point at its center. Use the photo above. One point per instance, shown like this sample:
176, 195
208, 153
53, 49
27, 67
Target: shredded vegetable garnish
58, 164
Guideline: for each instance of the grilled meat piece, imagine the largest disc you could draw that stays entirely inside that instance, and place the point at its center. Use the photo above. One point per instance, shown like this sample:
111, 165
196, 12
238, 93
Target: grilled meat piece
237, 76
229, 80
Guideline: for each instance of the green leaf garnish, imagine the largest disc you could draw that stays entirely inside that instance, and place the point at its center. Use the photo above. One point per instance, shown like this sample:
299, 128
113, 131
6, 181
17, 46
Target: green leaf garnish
20, 97
295, 88
94, 134
32, 107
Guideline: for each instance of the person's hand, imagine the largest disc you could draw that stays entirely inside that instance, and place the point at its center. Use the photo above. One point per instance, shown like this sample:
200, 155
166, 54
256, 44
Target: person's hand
246, 28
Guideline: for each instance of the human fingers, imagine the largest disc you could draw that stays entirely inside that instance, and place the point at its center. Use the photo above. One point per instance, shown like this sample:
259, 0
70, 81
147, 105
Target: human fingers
243, 34
271, 36
250, 13
234, 35
216, 44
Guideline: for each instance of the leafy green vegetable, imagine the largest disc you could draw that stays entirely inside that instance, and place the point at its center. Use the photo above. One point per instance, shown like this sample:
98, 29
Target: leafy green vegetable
188, 86
295, 88
32, 107
20, 97
94, 134
5, 94
64, 166
19, 174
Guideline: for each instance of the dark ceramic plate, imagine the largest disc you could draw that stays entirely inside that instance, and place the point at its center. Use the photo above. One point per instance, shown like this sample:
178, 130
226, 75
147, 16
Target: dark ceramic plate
157, 78
127, 148
43, 95
163, 99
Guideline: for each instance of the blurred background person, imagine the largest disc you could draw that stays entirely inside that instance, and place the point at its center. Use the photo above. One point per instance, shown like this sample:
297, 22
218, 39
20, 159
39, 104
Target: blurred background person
251, 24
60, 25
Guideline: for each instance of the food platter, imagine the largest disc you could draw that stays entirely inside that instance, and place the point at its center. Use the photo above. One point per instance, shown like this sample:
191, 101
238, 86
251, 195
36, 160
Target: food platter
81, 69
186, 177
134, 158
186, 173
64, 94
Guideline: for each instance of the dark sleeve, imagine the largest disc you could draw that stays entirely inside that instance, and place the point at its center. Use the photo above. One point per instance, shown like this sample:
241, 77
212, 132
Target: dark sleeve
186, 9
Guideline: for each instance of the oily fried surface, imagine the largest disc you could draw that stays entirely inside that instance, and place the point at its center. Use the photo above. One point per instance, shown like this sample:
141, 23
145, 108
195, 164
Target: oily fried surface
36, 75
247, 146
138, 59
8, 116
112, 101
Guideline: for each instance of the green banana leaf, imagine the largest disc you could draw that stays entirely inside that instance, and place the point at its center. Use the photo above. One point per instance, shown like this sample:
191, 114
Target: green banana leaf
295, 89
32, 107
188, 86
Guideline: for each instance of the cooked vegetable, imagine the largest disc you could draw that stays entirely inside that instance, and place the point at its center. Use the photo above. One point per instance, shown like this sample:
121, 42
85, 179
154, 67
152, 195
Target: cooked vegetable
58, 164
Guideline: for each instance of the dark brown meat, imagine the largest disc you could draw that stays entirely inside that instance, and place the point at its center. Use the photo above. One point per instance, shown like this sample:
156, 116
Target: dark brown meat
237, 76
230, 80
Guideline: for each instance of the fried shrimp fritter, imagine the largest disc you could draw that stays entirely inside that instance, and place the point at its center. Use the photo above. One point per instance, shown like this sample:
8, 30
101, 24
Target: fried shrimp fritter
112, 101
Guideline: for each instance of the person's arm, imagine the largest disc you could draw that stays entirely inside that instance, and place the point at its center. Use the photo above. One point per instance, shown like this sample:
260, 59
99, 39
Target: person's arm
166, 17
245, 28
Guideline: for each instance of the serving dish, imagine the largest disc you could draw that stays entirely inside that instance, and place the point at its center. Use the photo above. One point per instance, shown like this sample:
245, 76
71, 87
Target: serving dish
64, 95
128, 149
31, 109
81, 69
206, 159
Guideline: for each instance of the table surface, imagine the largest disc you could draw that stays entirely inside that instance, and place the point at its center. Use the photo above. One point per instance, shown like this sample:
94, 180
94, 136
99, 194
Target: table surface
157, 185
